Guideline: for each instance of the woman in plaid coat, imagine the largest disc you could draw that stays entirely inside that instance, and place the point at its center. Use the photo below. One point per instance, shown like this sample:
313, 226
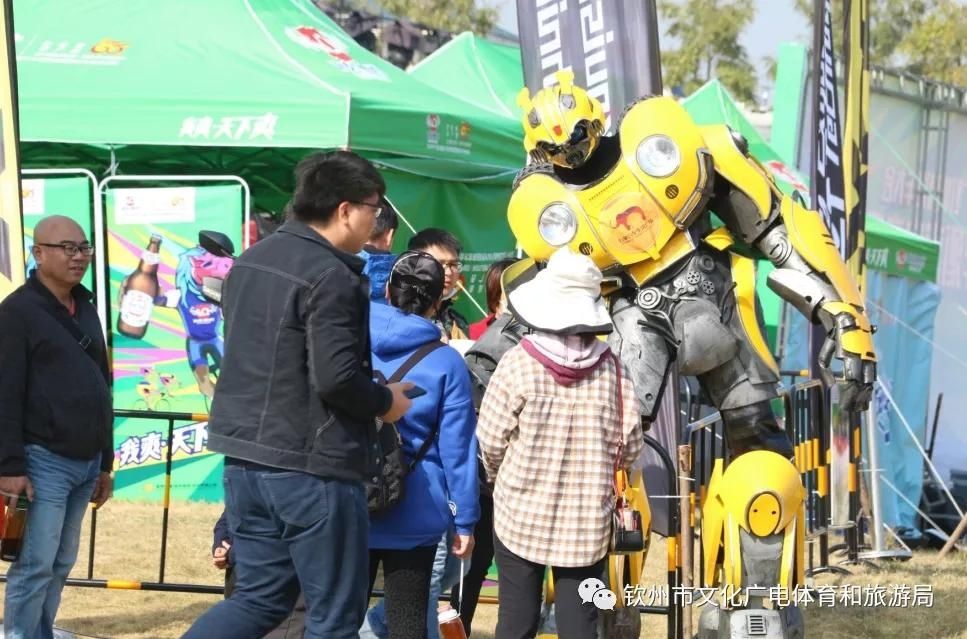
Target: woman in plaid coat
558, 415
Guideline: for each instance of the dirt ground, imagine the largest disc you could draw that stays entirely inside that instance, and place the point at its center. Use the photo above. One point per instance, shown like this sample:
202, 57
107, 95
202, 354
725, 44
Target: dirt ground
128, 544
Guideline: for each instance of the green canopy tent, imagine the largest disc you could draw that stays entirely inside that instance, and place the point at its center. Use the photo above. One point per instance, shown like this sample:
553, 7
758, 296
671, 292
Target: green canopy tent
247, 87
485, 73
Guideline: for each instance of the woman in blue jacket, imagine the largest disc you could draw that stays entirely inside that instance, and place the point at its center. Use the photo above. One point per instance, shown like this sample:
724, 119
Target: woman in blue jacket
441, 491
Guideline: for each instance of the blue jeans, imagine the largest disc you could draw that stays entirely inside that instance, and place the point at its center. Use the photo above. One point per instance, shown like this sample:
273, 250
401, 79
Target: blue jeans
446, 574
62, 490
292, 531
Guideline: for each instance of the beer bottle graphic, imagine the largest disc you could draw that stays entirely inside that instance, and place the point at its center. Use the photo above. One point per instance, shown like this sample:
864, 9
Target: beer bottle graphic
138, 292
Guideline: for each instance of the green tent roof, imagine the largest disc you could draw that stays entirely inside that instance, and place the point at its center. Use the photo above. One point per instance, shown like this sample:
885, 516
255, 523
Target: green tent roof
485, 73
236, 73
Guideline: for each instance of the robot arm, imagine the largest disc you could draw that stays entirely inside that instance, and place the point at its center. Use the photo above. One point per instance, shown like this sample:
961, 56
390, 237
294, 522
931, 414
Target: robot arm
810, 274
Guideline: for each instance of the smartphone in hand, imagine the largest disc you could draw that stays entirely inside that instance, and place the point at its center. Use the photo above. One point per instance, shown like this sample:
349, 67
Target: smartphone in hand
415, 392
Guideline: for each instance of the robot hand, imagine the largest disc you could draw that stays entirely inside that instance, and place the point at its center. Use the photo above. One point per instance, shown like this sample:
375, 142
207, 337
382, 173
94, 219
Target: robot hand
858, 374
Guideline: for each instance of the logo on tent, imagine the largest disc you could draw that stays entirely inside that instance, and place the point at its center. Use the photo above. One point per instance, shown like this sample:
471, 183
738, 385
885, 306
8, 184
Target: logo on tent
449, 138
104, 52
316, 40
107, 46
912, 261
433, 128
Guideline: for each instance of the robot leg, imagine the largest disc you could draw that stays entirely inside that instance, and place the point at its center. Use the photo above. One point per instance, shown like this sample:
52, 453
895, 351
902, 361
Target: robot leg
744, 386
642, 345
753, 522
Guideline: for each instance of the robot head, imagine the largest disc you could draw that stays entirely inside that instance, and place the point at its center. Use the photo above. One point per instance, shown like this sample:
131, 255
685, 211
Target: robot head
562, 123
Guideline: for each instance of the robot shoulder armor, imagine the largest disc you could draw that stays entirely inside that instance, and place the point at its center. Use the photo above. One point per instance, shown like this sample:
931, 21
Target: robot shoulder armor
631, 107
540, 168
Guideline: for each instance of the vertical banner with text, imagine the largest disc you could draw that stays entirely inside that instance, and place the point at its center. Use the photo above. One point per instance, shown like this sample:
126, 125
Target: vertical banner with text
856, 133
829, 198
827, 185
11, 249
166, 338
611, 45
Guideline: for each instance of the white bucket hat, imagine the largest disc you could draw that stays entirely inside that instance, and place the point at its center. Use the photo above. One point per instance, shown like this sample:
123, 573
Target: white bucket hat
563, 298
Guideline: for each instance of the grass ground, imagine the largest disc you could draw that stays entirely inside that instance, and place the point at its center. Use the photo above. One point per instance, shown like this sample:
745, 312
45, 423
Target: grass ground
128, 543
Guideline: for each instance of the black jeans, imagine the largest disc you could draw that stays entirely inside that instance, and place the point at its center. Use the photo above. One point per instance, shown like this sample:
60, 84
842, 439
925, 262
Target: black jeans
406, 588
483, 554
520, 592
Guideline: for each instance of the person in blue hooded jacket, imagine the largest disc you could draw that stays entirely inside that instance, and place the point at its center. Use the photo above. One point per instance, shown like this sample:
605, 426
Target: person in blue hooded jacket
441, 491
378, 251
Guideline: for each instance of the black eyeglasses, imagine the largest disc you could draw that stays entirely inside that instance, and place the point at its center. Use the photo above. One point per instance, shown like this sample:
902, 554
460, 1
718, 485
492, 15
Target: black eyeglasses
376, 208
70, 249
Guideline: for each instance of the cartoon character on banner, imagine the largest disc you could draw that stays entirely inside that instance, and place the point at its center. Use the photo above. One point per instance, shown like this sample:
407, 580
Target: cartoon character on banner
202, 319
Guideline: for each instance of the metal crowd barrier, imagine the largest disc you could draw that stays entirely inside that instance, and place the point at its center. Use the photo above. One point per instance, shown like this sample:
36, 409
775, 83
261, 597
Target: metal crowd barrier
674, 609
161, 584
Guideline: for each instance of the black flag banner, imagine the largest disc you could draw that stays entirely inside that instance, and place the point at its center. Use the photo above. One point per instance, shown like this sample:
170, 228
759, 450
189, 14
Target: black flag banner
828, 191
856, 133
611, 45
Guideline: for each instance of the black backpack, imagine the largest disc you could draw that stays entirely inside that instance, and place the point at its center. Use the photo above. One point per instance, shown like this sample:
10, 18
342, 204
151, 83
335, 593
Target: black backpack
387, 490
482, 358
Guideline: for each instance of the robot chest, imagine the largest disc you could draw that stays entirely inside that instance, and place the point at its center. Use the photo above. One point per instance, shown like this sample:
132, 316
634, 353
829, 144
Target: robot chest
629, 223
616, 221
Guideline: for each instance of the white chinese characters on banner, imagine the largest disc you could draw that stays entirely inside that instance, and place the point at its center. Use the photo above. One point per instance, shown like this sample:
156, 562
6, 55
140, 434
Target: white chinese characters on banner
138, 450
236, 128
165, 205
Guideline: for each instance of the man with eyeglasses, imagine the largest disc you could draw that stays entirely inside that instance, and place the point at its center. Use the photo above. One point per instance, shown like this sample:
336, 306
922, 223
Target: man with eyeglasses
446, 249
56, 445
295, 411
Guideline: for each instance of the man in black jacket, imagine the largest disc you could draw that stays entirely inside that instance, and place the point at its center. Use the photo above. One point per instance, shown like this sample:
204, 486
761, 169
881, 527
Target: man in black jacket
56, 445
295, 410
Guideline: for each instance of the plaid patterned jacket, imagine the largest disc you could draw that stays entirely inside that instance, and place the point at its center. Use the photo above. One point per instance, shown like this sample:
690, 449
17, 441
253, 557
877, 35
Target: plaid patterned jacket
552, 450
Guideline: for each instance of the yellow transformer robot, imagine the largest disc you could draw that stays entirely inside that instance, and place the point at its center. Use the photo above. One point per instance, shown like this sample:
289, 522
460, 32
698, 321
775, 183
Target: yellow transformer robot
640, 203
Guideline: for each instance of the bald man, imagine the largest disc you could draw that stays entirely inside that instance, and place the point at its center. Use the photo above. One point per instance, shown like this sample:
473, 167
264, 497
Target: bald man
56, 445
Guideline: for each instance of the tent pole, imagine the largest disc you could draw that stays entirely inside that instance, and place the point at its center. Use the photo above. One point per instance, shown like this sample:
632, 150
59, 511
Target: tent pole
879, 550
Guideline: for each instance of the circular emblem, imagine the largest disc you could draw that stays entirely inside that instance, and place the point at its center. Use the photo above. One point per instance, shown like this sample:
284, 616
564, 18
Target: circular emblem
649, 298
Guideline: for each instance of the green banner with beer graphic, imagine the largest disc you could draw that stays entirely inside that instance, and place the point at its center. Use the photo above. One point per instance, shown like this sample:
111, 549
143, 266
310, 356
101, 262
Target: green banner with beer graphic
166, 338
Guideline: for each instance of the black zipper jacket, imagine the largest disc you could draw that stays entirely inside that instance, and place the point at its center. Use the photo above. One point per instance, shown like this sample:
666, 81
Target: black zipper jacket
296, 389
52, 392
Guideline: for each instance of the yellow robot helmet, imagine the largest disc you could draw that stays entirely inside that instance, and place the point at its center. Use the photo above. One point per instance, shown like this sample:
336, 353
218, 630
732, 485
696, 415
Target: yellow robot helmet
562, 123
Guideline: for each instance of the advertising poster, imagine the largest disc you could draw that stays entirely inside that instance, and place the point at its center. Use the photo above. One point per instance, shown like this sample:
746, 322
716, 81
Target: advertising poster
11, 276
68, 196
166, 338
